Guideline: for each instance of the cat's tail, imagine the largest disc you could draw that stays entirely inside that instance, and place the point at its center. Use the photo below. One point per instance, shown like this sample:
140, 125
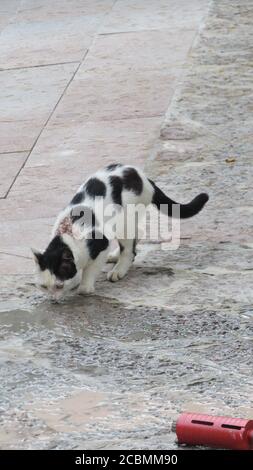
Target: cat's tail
164, 203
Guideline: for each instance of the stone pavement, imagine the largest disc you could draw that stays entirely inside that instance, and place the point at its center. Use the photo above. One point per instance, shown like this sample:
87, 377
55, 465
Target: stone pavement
82, 83
114, 369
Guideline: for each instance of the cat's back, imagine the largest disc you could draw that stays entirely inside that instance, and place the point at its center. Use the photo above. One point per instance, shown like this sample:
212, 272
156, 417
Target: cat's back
119, 184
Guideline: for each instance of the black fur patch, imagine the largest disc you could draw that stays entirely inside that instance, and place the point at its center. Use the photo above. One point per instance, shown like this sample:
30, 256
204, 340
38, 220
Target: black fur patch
161, 201
113, 166
97, 243
132, 181
94, 187
117, 186
59, 259
78, 198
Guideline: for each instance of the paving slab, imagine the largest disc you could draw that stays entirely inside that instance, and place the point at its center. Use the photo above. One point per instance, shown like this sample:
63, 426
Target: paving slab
124, 77
72, 145
27, 98
33, 205
136, 15
8, 10
117, 95
49, 33
11, 264
42, 10
139, 50
10, 165
17, 237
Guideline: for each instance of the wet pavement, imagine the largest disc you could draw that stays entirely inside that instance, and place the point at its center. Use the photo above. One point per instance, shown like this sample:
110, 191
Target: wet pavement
113, 370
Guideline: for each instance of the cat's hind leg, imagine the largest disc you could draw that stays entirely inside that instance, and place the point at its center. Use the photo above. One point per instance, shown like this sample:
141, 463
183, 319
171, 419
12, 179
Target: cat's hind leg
125, 260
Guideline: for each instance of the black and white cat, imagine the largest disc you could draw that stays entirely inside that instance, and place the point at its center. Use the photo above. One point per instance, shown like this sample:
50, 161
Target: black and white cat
80, 245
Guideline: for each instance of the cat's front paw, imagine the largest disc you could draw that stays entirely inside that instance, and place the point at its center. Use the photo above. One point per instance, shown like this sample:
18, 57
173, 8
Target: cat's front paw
85, 290
115, 275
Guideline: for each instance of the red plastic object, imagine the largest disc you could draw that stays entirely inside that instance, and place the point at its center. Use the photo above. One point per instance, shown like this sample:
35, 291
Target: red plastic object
214, 431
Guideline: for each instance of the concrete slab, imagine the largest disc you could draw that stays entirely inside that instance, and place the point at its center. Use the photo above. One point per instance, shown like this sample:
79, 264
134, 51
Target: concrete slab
8, 10
27, 98
117, 94
136, 15
141, 50
12, 265
10, 165
48, 179
61, 9
33, 204
72, 145
50, 32
33, 44
124, 76
17, 237
9, 6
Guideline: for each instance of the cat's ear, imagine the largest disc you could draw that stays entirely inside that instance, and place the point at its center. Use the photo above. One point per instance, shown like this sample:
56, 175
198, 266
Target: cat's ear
36, 255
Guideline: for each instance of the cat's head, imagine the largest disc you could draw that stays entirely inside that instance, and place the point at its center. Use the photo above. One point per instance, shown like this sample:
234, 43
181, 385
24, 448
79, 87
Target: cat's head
55, 267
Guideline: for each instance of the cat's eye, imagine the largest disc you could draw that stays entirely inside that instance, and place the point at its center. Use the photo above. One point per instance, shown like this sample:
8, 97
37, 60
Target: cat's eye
58, 286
